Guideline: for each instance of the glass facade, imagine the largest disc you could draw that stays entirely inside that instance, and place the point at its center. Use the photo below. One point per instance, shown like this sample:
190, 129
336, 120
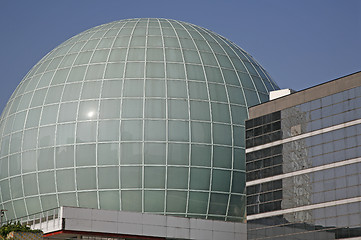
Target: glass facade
304, 170
141, 115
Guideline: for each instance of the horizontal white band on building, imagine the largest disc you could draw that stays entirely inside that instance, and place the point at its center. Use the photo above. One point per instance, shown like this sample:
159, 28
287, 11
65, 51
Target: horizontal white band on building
305, 135
304, 171
303, 208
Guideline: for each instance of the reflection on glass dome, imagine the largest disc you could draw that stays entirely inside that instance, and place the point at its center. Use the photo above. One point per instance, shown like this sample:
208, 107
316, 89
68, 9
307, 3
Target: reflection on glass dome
142, 115
91, 114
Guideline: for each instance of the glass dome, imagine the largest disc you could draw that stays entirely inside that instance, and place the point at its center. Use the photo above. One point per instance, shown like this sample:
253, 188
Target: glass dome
142, 115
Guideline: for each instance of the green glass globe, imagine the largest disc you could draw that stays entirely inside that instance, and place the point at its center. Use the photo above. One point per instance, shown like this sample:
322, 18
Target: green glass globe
142, 115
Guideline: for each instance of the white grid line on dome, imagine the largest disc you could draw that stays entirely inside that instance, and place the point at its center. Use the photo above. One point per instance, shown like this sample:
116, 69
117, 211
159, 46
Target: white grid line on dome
126, 165
254, 86
232, 133
37, 151
43, 125
75, 129
143, 115
227, 210
77, 124
242, 52
97, 128
36, 165
88, 99
167, 122
116, 189
250, 59
115, 141
119, 130
124, 71
189, 120
211, 115
266, 76
149, 61
55, 149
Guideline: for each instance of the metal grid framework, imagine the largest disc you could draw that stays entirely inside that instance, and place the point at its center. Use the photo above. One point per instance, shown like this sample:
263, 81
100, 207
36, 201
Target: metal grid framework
140, 115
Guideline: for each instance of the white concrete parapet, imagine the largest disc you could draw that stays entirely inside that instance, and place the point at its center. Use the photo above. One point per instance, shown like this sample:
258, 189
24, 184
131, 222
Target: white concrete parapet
140, 224
95, 221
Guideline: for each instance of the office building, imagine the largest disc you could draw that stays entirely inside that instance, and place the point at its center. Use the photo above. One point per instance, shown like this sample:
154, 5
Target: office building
303, 161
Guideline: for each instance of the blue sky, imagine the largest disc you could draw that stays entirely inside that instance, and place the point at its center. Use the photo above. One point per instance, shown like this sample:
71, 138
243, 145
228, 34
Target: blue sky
300, 43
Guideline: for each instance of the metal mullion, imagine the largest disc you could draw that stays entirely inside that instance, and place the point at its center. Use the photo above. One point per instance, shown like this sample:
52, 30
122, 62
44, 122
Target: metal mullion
250, 60
189, 120
230, 115
143, 120
239, 79
6, 112
42, 61
259, 75
254, 85
119, 129
17, 89
26, 80
167, 120
20, 96
11, 196
57, 116
211, 120
121, 106
36, 162
77, 116
97, 122
57, 123
36, 150
21, 170
2, 202
261, 68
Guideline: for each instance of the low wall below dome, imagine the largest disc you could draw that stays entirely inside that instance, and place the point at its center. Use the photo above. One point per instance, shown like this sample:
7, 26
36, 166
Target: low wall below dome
74, 222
